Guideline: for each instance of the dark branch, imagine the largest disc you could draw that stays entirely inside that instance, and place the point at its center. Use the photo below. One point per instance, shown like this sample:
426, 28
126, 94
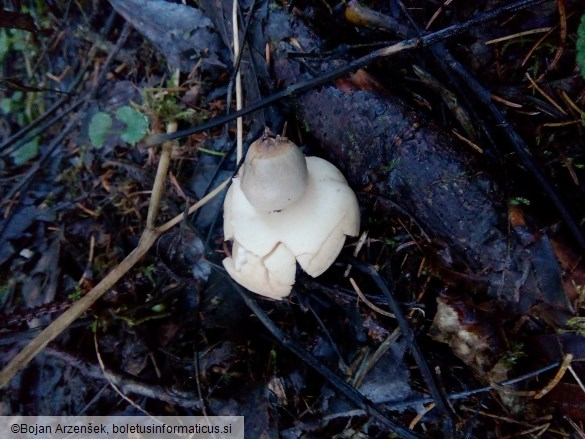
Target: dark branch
300, 87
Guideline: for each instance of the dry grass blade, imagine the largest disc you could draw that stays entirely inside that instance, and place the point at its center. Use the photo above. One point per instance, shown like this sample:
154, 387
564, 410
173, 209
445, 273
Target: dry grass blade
239, 120
107, 375
544, 94
518, 35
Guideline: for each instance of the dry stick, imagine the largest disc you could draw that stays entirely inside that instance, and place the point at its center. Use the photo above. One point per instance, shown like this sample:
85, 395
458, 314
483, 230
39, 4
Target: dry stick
537, 394
23, 182
176, 220
557, 378
147, 239
58, 326
469, 393
300, 87
161, 175
37, 127
16, 141
52, 331
364, 299
360, 375
127, 384
111, 55
239, 120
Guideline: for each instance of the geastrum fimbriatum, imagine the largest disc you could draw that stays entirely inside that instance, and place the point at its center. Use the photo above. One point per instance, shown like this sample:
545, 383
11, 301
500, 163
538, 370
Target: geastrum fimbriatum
285, 208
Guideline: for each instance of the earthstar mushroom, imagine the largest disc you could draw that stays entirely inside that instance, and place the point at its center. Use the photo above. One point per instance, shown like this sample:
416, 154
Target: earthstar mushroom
285, 208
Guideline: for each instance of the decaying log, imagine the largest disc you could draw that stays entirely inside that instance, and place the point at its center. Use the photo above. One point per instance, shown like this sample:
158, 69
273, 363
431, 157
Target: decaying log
400, 155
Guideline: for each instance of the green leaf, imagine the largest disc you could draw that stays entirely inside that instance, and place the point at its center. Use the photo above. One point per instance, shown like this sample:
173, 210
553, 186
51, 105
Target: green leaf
581, 46
136, 124
26, 152
99, 127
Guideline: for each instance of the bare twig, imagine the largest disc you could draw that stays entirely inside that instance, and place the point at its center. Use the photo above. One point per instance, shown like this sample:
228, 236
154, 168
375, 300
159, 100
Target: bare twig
161, 175
557, 378
375, 357
239, 120
203, 201
147, 239
127, 384
58, 326
537, 394
544, 94
579, 382
468, 393
518, 35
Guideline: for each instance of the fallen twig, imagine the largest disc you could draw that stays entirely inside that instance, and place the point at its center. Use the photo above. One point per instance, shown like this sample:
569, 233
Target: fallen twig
148, 238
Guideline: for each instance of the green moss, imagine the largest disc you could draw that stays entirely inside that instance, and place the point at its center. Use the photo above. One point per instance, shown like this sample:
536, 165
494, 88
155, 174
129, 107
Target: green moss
517, 201
577, 325
515, 353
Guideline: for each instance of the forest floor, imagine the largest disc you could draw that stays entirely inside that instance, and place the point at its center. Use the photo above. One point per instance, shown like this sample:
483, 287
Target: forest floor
82, 85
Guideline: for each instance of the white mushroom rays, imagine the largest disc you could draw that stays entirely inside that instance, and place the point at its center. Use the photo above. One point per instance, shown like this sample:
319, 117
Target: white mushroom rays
282, 209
